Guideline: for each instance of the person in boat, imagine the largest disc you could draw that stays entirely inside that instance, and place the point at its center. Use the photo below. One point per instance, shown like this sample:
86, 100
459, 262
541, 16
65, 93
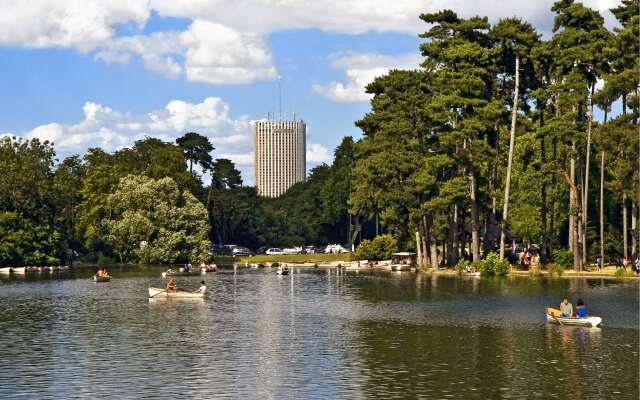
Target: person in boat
99, 273
171, 285
202, 288
566, 308
581, 310
104, 272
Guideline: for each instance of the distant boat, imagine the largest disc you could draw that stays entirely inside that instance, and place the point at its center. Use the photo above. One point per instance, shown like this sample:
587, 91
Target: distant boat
283, 270
20, 270
159, 292
101, 278
553, 316
5, 270
403, 261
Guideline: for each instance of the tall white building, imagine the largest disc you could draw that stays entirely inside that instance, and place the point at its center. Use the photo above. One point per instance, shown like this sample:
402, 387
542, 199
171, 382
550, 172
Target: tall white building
280, 158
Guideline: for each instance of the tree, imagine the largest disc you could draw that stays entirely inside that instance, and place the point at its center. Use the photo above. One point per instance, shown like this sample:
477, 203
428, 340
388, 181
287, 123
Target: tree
153, 222
516, 39
196, 149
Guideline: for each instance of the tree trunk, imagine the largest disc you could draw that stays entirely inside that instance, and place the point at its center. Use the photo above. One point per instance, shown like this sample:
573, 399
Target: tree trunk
426, 238
625, 252
475, 223
512, 139
432, 243
554, 183
543, 196
452, 251
602, 207
585, 195
634, 226
572, 201
574, 194
419, 248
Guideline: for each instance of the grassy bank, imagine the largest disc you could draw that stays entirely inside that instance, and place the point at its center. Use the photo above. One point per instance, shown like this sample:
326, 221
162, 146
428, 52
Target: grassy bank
295, 258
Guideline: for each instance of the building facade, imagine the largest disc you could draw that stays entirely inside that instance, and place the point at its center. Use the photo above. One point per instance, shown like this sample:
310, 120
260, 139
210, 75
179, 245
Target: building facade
280, 155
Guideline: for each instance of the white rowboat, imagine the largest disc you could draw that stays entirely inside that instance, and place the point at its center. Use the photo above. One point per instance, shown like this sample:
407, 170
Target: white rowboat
5, 270
553, 316
159, 292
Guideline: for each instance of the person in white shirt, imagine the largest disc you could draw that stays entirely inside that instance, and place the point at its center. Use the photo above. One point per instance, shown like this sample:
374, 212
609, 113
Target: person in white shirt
202, 288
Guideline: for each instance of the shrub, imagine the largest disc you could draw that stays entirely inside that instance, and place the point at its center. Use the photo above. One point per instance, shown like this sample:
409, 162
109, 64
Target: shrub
493, 265
563, 258
461, 267
620, 272
104, 260
535, 272
556, 269
381, 247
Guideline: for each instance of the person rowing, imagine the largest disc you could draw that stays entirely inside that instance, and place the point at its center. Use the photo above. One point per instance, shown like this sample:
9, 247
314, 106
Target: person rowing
566, 308
202, 288
171, 285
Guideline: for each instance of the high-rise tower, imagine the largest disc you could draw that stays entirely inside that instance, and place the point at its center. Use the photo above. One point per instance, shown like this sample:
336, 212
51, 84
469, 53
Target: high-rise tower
280, 158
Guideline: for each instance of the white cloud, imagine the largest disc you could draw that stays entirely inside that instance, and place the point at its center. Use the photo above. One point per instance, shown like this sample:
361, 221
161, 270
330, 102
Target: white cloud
360, 70
111, 130
226, 42
317, 153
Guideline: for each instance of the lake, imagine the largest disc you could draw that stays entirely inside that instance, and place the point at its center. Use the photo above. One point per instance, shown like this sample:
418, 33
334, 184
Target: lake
317, 333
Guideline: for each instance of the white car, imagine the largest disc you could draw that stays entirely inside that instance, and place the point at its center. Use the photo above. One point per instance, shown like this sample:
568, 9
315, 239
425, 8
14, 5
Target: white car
335, 248
293, 250
274, 251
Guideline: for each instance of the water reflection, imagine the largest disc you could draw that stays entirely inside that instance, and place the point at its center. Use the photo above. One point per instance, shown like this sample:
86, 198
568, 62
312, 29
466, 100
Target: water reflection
314, 333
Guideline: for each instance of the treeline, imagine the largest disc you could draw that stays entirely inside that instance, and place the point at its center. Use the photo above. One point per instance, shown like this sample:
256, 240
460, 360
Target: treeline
494, 139
149, 204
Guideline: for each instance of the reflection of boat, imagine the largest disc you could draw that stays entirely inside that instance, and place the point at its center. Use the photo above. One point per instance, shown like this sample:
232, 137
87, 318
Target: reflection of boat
159, 292
101, 278
553, 316
403, 261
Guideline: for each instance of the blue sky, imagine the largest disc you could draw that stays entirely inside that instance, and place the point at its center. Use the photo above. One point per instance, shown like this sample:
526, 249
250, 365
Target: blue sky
106, 74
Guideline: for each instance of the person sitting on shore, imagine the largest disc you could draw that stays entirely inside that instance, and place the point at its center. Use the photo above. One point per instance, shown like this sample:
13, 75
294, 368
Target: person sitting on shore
566, 308
581, 310
171, 285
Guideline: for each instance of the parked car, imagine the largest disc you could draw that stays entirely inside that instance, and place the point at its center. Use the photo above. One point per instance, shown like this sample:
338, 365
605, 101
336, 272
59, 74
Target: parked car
240, 251
335, 249
292, 250
310, 249
274, 251
262, 249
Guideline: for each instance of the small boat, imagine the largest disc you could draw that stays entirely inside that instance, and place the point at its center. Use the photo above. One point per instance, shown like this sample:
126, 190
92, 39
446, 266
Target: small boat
553, 316
181, 273
283, 270
20, 270
42, 269
55, 268
101, 278
208, 268
473, 274
403, 261
160, 292
5, 270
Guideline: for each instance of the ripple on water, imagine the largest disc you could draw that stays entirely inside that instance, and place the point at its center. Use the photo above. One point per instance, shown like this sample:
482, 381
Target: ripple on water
315, 333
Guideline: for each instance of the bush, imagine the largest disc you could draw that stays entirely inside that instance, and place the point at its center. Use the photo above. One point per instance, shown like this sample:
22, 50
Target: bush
103, 260
563, 258
381, 247
461, 267
493, 265
556, 269
620, 273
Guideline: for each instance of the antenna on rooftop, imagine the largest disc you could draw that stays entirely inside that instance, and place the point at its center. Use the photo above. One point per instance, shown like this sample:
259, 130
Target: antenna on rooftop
280, 97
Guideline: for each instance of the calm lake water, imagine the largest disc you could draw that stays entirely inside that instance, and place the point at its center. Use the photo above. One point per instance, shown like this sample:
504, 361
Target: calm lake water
316, 333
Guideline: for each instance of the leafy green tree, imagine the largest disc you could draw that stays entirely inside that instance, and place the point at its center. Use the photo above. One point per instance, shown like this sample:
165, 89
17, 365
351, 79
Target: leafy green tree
381, 247
153, 222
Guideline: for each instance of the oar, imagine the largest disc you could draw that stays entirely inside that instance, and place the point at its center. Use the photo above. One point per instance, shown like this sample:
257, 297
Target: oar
158, 293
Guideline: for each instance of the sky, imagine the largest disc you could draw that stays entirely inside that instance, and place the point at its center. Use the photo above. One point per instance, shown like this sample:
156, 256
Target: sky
86, 73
